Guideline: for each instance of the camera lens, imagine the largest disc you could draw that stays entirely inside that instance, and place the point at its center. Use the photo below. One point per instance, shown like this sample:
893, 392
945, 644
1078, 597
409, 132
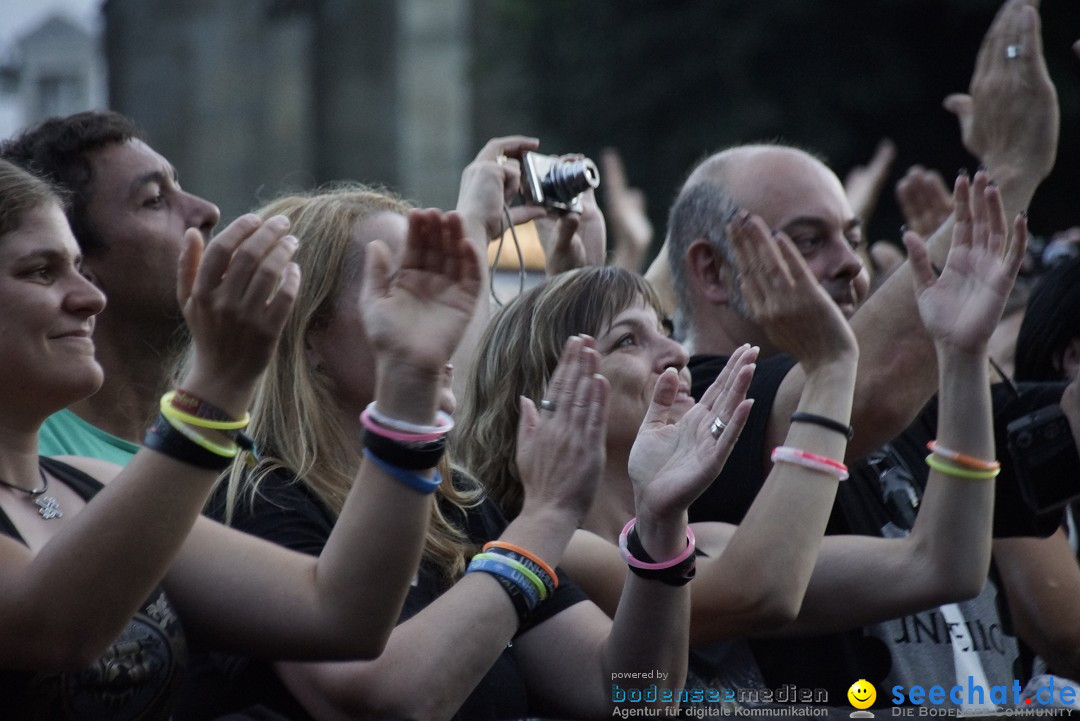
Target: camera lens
570, 178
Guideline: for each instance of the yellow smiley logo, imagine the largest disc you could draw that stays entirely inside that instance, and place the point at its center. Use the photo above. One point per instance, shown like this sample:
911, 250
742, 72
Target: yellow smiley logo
862, 694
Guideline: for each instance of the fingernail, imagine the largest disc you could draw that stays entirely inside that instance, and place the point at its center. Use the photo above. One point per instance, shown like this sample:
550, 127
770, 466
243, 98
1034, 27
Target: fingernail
903, 228
1024, 213
731, 215
963, 172
991, 183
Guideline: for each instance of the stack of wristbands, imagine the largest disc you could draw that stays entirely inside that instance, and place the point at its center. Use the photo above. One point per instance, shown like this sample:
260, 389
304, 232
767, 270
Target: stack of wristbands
675, 572
401, 448
524, 576
179, 432
953, 463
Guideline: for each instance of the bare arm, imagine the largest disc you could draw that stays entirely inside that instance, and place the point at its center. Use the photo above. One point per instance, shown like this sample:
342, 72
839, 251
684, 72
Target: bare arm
298, 606
461, 634
946, 556
1041, 579
731, 595
61, 605
1042, 585
1009, 120
492, 179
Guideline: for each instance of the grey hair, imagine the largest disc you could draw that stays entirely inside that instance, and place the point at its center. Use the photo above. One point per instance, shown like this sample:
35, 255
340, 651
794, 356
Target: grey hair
700, 211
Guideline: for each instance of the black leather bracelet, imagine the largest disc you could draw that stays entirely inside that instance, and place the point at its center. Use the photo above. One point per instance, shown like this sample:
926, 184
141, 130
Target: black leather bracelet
679, 575
814, 419
165, 439
418, 457
521, 604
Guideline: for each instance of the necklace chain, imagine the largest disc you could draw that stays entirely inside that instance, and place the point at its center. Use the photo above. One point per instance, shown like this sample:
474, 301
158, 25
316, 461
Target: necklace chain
31, 492
48, 506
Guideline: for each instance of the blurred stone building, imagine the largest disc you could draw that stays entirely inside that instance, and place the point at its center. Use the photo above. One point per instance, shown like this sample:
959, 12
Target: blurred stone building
250, 97
55, 69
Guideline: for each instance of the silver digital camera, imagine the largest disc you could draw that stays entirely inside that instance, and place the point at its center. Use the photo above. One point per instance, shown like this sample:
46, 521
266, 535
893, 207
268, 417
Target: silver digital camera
556, 182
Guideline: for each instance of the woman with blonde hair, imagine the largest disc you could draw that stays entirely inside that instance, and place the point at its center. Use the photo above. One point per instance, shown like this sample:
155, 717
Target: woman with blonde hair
491, 628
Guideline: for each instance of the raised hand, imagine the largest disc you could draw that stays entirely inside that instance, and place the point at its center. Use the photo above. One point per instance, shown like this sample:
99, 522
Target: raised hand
1009, 117
415, 316
236, 293
864, 183
924, 200
962, 307
560, 447
674, 460
624, 208
491, 180
783, 296
573, 240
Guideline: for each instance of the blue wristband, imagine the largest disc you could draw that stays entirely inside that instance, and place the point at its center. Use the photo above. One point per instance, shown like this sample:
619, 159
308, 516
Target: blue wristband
412, 480
497, 568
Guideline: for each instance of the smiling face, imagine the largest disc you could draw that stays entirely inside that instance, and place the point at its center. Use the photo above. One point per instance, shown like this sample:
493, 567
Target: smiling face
46, 328
635, 348
862, 694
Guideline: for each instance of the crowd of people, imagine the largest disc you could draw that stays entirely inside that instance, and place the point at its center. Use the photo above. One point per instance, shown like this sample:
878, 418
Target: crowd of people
302, 468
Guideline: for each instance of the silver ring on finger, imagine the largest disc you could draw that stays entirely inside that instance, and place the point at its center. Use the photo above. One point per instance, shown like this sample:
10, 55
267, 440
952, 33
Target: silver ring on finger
717, 427
546, 405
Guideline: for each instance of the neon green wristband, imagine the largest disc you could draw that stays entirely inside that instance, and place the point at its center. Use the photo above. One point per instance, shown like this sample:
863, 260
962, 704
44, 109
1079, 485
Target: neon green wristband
950, 470
195, 437
170, 411
520, 567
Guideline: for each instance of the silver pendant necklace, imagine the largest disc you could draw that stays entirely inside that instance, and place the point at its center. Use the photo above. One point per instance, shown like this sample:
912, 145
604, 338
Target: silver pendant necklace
48, 506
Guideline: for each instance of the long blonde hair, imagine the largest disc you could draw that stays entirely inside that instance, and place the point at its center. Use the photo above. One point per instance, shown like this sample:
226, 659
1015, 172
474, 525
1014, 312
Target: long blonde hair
291, 421
516, 357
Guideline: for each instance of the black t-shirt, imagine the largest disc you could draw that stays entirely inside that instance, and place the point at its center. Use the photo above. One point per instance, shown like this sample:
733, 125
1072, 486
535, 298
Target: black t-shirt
288, 513
734, 490
136, 679
883, 492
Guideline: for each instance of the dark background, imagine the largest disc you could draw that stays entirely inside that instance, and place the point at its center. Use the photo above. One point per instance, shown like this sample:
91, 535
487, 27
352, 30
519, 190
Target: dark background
670, 82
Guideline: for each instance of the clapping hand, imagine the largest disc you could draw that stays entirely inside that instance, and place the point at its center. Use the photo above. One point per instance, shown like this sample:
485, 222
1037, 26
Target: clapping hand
414, 318
674, 460
235, 293
560, 446
963, 306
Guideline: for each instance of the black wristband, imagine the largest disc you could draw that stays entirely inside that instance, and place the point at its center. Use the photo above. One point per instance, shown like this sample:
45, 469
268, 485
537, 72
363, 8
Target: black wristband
418, 457
165, 439
814, 419
517, 596
679, 575
548, 581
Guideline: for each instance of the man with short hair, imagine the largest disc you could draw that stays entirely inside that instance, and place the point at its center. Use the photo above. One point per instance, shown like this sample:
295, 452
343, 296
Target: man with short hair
129, 214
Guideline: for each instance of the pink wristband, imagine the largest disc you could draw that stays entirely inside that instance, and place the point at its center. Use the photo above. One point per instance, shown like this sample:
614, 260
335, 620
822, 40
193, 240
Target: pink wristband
630, 560
380, 430
787, 454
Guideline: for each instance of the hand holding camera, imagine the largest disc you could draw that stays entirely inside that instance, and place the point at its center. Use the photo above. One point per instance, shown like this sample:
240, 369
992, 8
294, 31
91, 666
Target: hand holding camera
572, 233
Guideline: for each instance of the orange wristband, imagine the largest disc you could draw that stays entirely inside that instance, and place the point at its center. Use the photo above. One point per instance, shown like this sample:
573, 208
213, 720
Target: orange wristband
522, 552
961, 459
